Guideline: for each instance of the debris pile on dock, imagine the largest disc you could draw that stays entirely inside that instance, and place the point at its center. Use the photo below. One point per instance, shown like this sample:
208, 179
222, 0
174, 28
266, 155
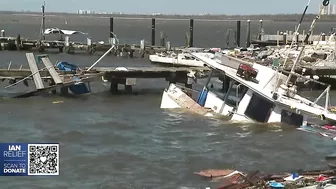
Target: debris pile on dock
229, 179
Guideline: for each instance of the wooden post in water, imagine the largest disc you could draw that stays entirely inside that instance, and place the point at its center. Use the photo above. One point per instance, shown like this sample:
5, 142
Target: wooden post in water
323, 36
238, 33
153, 31
261, 30
162, 39
111, 30
168, 47
278, 34
67, 44
248, 33
89, 45
43, 22
191, 33
2, 33
18, 42
284, 38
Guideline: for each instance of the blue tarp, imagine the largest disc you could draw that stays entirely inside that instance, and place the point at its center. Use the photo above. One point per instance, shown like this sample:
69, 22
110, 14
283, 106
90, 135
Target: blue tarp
65, 66
79, 88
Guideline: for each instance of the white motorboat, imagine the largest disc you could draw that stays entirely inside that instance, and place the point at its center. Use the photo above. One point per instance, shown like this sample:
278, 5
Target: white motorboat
261, 94
180, 59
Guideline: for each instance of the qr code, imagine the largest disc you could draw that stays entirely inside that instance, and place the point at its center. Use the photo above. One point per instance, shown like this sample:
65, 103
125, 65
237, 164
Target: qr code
43, 159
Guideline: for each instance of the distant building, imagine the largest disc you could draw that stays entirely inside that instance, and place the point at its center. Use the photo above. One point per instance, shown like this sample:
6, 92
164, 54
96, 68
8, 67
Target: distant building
85, 12
328, 10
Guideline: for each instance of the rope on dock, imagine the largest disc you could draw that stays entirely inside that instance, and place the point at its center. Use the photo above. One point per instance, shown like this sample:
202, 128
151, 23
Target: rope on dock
28, 76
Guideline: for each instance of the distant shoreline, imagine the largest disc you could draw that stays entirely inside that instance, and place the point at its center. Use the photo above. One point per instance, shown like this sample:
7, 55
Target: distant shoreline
265, 17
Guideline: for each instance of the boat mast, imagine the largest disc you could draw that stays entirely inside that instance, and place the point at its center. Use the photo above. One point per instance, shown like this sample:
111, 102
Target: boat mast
295, 33
312, 26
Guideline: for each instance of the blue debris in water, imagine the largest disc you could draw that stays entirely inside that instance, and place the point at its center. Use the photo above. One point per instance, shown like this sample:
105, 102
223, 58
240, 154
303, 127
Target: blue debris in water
276, 185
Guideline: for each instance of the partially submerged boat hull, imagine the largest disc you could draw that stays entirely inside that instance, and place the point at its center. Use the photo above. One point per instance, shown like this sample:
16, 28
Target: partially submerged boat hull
173, 97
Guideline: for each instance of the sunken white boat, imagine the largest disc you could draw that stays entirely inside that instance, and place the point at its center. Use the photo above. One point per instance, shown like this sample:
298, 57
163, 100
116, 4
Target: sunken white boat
256, 93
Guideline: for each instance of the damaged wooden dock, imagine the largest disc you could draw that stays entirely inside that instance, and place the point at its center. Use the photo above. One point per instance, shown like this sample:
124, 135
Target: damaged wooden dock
59, 79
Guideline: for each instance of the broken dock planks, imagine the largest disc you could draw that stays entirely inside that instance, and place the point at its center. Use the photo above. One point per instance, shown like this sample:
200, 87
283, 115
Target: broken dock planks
33, 68
57, 79
84, 79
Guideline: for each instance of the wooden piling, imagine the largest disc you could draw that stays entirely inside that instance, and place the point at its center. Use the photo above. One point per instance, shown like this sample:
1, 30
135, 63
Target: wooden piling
261, 30
2, 33
191, 33
323, 36
238, 33
111, 29
284, 38
43, 22
162, 39
153, 31
18, 42
168, 47
248, 33
278, 34
114, 86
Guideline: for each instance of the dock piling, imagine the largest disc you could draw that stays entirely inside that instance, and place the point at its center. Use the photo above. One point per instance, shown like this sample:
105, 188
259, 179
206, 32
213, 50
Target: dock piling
89, 45
18, 42
191, 33
187, 39
43, 22
111, 29
129, 82
261, 30
153, 31
168, 47
114, 86
142, 48
323, 36
2, 33
248, 33
238, 33
162, 39
9, 65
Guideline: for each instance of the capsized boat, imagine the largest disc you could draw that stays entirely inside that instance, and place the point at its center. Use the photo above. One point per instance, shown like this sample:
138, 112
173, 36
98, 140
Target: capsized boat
256, 94
180, 59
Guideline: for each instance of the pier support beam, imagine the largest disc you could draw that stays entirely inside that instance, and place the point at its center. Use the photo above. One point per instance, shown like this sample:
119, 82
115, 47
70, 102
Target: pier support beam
129, 82
191, 33
153, 31
51, 83
114, 86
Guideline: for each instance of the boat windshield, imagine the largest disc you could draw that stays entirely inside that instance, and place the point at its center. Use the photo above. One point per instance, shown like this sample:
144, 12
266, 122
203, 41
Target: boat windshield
235, 94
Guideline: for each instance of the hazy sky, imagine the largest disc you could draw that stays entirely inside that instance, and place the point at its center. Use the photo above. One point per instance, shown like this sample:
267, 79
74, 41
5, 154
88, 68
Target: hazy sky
167, 6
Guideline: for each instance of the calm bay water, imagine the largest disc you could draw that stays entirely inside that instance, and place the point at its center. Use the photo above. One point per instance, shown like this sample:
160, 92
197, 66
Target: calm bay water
127, 141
